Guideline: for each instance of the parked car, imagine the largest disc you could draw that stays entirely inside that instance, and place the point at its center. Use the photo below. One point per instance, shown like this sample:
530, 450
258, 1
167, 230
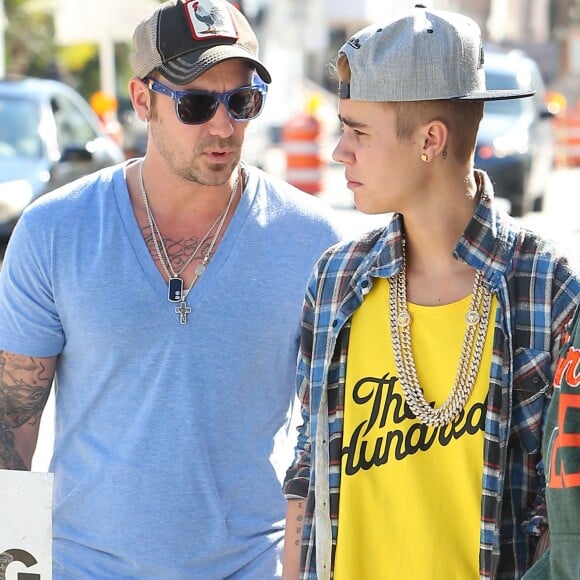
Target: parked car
516, 140
49, 136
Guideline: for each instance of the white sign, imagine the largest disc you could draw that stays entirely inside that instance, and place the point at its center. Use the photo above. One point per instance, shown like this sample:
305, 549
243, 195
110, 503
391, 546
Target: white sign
25, 525
93, 20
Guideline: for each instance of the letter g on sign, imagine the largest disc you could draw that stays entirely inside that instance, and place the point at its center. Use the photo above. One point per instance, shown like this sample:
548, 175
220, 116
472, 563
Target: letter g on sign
15, 555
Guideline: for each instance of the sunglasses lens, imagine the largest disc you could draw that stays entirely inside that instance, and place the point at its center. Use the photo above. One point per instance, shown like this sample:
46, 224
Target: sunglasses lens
196, 108
199, 107
245, 104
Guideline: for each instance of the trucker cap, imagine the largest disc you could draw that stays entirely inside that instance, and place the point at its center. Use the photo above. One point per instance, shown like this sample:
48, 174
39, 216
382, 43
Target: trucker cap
424, 55
184, 38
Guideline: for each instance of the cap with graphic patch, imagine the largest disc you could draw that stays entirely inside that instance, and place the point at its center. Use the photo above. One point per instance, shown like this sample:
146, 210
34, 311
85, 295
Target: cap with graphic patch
424, 55
184, 38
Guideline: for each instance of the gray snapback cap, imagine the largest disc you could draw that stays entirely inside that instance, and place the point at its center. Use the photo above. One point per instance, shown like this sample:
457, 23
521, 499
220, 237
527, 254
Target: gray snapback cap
184, 38
425, 55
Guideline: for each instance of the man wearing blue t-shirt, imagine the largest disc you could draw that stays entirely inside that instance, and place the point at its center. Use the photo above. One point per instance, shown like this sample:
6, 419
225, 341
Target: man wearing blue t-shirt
165, 295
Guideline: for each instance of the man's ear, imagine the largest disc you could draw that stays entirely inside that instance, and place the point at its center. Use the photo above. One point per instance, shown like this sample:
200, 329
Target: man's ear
434, 139
140, 98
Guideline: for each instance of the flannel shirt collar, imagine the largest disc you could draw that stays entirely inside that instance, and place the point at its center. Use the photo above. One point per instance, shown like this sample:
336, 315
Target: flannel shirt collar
486, 244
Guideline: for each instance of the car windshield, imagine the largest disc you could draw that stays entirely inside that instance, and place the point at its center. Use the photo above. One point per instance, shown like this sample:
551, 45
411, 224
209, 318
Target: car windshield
496, 80
19, 128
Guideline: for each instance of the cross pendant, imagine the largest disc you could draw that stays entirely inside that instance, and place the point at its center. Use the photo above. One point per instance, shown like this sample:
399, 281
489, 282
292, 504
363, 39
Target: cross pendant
183, 310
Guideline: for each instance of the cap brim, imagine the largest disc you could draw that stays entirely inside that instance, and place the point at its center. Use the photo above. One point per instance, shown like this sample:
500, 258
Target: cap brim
189, 66
497, 95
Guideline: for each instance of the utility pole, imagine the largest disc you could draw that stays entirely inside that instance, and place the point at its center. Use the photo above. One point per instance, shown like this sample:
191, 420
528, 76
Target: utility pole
283, 44
2, 40
104, 23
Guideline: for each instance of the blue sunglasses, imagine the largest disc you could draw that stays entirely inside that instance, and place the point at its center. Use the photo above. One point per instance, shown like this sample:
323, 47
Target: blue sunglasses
197, 107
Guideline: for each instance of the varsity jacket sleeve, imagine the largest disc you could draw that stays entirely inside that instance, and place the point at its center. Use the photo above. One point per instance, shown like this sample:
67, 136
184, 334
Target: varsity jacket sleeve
562, 453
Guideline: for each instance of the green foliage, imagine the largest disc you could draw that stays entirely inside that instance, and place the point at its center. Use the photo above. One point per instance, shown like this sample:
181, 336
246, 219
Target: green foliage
29, 34
31, 49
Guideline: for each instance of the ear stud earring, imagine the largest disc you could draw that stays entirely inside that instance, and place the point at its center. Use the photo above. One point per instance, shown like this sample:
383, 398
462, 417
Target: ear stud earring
424, 157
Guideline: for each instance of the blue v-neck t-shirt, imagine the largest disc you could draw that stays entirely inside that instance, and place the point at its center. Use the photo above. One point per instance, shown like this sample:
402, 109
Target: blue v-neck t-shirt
171, 440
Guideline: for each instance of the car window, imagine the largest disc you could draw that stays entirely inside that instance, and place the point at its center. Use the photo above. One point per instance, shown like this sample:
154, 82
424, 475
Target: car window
73, 128
537, 84
19, 121
499, 80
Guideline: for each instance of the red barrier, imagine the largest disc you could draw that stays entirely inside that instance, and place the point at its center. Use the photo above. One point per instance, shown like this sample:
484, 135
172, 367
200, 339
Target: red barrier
301, 141
561, 131
572, 120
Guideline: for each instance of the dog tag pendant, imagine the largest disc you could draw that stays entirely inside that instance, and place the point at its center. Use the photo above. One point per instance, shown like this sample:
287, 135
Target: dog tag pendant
175, 293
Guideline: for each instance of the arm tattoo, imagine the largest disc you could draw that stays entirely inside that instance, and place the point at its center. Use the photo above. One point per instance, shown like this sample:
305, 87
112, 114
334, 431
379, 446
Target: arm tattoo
24, 389
299, 520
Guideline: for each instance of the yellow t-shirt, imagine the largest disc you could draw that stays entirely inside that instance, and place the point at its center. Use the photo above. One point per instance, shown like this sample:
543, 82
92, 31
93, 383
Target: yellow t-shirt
410, 495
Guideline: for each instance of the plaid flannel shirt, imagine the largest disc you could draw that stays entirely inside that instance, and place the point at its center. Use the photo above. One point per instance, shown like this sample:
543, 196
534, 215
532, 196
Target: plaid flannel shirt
537, 293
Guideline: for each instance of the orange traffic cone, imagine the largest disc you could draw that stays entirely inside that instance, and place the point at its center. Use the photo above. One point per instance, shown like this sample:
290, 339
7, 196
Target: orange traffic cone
301, 142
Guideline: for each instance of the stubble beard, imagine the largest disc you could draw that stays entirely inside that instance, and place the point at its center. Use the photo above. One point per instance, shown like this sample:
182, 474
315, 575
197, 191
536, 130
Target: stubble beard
195, 168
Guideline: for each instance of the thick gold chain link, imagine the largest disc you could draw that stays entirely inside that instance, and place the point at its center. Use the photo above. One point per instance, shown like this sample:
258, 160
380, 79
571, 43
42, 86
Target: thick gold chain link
477, 319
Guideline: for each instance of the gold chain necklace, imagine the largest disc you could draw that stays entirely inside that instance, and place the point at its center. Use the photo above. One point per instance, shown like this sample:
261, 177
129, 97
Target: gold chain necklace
476, 319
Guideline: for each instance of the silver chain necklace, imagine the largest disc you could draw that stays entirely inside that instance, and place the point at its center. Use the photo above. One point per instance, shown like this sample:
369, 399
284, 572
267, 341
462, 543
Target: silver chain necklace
176, 292
476, 319
167, 264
